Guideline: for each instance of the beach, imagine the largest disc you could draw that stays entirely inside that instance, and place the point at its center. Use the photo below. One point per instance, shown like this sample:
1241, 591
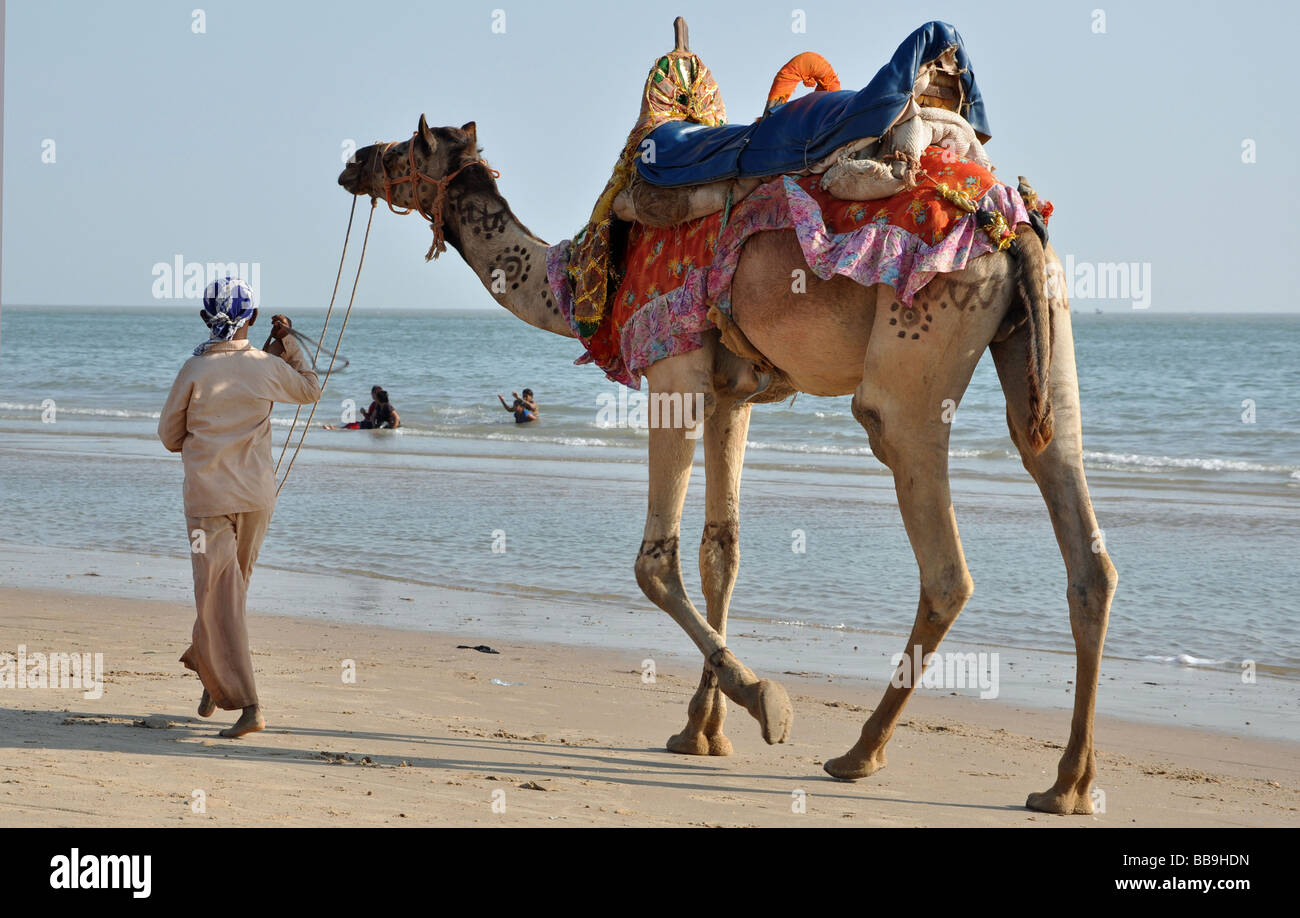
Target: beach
391, 549
429, 735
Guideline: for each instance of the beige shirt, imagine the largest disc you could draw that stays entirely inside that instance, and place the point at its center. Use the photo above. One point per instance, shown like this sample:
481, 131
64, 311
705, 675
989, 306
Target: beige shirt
218, 417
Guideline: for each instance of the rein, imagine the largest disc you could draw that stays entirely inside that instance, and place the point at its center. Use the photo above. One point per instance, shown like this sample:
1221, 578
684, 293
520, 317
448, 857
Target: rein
415, 177
321, 341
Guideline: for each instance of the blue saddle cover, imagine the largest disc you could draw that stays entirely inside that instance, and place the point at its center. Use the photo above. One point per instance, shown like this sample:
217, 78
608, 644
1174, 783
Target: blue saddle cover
806, 130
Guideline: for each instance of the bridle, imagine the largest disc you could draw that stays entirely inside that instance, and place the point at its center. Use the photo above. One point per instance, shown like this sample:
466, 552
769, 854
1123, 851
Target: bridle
415, 177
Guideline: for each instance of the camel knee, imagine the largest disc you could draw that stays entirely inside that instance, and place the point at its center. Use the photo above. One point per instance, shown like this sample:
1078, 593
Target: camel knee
870, 415
945, 594
657, 567
719, 557
1090, 593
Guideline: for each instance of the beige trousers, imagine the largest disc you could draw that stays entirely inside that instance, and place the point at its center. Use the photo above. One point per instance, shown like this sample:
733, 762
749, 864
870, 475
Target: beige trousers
223, 557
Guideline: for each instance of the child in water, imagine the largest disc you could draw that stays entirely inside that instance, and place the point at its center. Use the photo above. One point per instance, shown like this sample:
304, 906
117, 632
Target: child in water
381, 415
524, 409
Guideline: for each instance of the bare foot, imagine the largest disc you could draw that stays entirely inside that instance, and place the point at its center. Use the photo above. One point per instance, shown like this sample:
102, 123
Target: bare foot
251, 721
206, 705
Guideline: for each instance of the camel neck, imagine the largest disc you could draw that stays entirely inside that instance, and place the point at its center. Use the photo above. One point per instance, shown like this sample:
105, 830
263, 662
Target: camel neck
508, 259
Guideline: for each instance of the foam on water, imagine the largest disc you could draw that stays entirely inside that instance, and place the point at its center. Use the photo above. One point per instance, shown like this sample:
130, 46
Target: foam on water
1171, 463
1185, 659
22, 410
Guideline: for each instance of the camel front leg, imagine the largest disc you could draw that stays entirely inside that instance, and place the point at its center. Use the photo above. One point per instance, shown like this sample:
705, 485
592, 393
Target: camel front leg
1058, 471
658, 563
725, 433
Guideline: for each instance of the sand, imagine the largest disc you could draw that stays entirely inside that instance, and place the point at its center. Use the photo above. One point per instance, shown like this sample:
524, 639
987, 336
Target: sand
424, 736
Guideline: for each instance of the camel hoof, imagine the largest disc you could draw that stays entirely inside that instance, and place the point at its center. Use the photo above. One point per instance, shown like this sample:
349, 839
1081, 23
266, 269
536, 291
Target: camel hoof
699, 744
1060, 804
850, 767
773, 711
765, 700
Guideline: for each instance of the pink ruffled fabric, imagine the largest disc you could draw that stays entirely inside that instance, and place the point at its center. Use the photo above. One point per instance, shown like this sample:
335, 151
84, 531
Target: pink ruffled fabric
874, 254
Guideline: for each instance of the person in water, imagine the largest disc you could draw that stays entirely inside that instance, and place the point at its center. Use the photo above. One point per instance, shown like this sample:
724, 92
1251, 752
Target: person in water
218, 417
524, 409
374, 403
380, 414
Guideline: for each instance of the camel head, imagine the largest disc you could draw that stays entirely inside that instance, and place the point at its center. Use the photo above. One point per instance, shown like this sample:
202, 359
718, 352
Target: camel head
417, 174
436, 153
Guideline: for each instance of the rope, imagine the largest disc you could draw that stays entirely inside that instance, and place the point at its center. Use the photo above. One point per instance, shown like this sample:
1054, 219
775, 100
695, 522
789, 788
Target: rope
337, 277
415, 177
338, 341
305, 340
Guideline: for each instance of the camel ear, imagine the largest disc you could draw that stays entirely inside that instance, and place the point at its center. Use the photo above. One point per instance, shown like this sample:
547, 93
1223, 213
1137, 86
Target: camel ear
470, 128
426, 134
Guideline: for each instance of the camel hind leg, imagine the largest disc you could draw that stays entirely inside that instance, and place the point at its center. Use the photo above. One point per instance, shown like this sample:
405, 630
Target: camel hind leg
658, 563
724, 456
1058, 471
911, 381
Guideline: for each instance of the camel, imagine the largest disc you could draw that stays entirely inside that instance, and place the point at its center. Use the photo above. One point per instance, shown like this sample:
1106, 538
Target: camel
838, 338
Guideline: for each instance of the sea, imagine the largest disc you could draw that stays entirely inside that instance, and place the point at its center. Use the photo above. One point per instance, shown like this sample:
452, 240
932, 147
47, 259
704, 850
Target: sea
1191, 432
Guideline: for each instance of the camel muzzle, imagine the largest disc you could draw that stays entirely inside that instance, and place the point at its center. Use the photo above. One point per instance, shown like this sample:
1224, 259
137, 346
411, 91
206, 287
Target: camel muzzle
350, 176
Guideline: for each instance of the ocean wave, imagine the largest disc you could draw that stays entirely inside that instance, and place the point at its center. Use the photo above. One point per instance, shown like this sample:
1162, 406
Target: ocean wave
82, 412
808, 449
1135, 461
502, 436
825, 450
1185, 659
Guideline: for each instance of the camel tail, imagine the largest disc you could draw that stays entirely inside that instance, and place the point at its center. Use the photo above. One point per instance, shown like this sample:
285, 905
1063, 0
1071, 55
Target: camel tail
1031, 291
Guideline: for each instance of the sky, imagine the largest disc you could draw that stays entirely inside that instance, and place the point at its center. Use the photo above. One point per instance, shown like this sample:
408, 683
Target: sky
1160, 131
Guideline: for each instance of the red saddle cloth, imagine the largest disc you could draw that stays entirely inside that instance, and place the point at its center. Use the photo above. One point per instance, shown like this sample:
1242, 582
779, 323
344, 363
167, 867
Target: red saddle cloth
657, 259
922, 210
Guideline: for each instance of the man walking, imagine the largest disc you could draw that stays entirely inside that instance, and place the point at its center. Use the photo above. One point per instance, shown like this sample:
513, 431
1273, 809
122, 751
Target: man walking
218, 417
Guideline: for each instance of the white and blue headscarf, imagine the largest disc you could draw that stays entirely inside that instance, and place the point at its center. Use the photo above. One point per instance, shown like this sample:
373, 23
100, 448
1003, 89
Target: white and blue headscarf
227, 306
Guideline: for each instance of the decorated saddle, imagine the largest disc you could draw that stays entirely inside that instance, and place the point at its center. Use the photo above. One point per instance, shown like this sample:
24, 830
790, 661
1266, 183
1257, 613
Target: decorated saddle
799, 134
679, 87
909, 194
